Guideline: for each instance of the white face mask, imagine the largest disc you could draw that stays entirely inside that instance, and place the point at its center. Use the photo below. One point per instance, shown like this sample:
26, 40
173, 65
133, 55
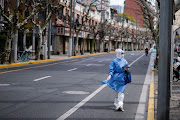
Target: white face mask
120, 54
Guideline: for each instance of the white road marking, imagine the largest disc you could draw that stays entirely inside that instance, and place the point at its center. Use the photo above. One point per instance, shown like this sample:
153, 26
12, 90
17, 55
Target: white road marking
4, 84
95, 64
75, 92
88, 64
136, 60
72, 110
100, 61
72, 69
142, 101
41, 78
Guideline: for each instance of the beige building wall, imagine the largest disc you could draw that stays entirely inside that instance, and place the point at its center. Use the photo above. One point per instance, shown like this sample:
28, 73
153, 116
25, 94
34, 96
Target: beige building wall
66, 45
59, 45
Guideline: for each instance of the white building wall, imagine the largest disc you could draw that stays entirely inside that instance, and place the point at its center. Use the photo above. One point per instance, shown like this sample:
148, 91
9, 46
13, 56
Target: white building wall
177, 20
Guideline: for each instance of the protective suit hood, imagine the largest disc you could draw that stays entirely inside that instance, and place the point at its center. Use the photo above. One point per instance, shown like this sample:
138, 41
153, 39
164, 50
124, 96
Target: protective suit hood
154, 46
119, 53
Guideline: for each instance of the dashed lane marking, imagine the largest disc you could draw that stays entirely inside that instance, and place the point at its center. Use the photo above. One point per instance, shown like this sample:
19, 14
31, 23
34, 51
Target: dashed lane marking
4, 85
73, 69
41, 78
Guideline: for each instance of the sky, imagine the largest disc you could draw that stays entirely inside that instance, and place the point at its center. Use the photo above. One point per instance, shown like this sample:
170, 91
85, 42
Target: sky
116, 2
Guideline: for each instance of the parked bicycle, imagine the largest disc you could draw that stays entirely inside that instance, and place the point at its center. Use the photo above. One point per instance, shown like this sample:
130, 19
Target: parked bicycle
25, 56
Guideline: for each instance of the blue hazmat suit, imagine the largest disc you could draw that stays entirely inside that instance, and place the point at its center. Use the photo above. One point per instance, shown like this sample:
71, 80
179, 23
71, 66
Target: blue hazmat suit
115, 79
117, 72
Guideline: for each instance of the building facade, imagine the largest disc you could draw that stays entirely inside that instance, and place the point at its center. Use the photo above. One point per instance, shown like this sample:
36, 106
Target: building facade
60, 30
133, 9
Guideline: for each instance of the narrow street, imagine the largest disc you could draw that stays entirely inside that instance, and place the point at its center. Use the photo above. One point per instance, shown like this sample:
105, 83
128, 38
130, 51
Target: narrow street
66, 89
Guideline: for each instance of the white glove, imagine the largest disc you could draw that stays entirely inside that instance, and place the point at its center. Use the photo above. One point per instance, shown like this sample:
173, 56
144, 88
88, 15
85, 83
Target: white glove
109, 77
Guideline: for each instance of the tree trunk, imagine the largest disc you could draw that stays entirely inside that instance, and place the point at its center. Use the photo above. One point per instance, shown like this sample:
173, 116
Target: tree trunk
6, 56
76, 43
39, 45
109, 44
15, 45
100, 45
116, 44
92, 46
83, 47
24, 40
93, 43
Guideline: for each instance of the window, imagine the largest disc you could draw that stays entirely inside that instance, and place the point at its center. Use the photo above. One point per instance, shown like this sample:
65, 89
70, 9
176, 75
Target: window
60, 13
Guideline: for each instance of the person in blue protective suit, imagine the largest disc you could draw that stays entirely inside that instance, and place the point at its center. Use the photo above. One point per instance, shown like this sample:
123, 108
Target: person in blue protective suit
115, 79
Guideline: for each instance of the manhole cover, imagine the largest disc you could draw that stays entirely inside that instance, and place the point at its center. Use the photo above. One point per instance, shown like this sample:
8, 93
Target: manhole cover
75, 92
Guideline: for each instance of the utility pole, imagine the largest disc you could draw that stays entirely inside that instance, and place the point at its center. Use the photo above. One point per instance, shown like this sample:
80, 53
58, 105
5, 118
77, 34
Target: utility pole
101, 11
15, 38
34, 37
136, 31
74, 4
127, 37
70, 35
49, 33
164, 60
102, 29
122, 25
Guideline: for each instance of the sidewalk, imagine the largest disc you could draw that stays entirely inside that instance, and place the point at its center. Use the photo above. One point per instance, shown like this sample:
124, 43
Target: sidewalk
174, 112
52, 58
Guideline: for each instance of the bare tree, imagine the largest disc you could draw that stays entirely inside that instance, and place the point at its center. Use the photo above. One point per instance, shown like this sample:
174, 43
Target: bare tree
11, 16
48, 8
94, 30
150, 15
79, 27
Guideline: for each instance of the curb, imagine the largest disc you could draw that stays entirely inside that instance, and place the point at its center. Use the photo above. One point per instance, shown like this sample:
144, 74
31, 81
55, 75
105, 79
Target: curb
26, 63
150, 113
88, 55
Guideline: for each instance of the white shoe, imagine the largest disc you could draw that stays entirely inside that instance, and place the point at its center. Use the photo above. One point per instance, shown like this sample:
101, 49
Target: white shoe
119, 108
115, 104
